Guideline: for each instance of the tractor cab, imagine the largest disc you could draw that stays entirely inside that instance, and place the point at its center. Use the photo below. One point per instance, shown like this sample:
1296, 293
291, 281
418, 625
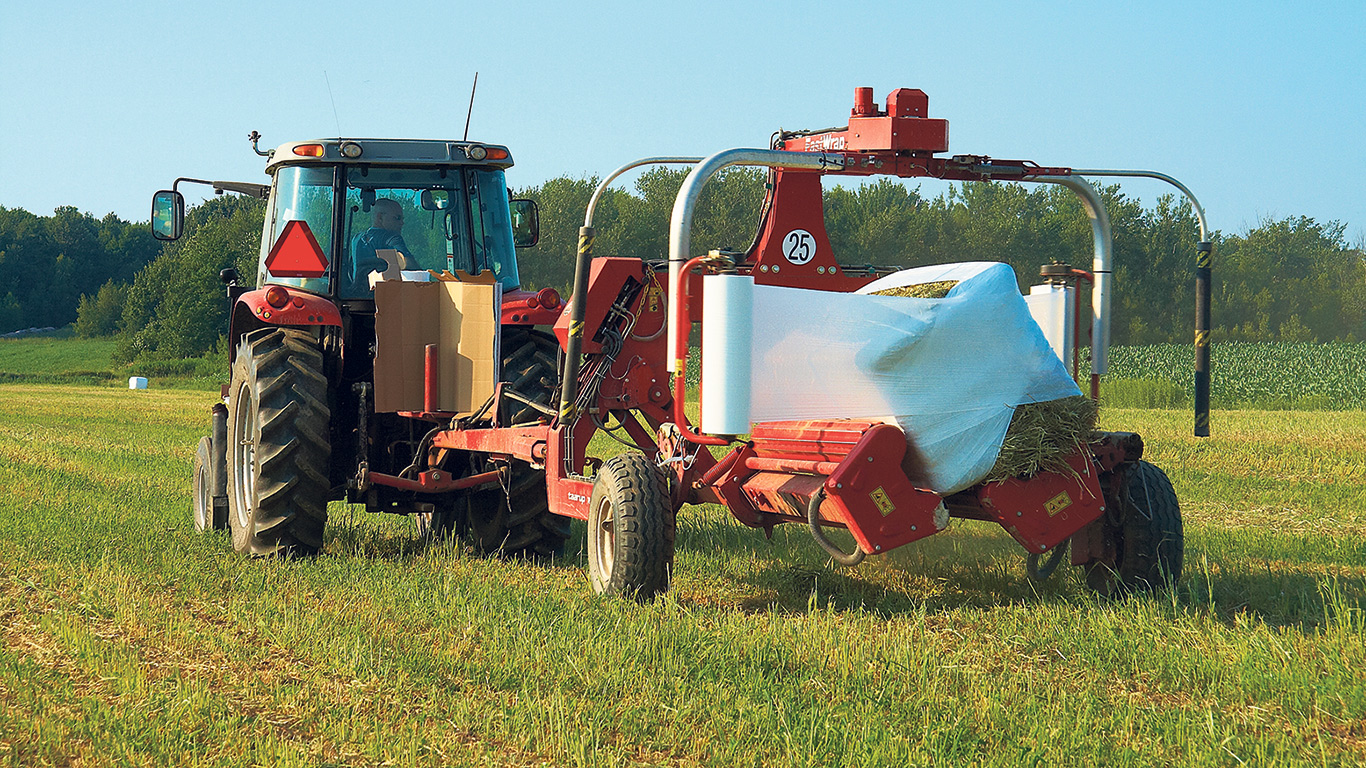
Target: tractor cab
333, 203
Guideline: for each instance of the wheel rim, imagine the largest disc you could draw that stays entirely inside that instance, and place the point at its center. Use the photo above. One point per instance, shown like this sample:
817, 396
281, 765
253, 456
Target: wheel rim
604, 537
201, 504
244, 456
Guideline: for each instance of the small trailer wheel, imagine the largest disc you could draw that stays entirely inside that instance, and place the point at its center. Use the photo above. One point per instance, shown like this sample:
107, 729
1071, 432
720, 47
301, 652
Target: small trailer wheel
630, 529
1149, 540
207, 517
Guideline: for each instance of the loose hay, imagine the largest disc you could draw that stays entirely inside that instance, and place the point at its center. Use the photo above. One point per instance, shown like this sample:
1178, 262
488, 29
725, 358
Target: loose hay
937, 290
1042, 435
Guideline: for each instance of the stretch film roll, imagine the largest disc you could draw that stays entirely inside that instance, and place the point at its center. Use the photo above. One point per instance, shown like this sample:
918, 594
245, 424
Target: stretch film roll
727, 340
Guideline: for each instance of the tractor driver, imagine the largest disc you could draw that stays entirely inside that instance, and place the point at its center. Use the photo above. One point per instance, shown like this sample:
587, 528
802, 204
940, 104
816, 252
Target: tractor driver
385, 232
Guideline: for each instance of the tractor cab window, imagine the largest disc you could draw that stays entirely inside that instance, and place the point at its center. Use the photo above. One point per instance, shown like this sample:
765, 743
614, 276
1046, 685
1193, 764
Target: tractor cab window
301, 194
418, 212
494, 247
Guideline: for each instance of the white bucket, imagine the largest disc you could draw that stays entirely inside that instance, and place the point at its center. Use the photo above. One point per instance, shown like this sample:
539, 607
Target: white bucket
137, 382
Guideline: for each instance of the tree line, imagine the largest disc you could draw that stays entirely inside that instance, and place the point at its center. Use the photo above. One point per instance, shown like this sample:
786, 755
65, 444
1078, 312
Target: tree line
48, 263
1290, 279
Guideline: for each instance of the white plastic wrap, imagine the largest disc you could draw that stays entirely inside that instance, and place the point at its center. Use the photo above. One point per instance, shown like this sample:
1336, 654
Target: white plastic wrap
949, 371
727, 315
1053, 307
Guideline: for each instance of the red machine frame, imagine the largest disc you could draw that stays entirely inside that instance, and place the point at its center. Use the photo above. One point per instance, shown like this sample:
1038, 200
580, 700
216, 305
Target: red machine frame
836, 473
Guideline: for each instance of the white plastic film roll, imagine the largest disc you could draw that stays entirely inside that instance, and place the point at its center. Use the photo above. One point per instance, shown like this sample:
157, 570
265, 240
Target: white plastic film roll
727, 340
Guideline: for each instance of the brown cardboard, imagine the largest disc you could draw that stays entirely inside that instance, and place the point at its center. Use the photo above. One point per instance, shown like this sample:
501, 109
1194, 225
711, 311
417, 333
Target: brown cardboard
393, 261
460, 318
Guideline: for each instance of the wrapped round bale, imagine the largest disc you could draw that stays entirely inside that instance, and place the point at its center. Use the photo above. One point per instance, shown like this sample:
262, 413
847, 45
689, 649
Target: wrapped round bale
951, 371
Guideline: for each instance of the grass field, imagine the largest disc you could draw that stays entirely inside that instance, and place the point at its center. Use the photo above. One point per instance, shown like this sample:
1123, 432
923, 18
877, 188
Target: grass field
130, 640
64, 359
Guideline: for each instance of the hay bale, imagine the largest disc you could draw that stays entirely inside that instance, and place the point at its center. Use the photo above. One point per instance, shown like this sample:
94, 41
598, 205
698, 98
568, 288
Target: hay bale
1042, 435
936, 290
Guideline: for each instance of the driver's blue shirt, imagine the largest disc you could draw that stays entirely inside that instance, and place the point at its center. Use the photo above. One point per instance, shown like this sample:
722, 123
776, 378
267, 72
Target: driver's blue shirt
364, 260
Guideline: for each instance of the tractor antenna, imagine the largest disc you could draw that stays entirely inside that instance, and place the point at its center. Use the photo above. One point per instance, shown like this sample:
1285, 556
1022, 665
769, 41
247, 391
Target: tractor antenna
328, 80
471, 111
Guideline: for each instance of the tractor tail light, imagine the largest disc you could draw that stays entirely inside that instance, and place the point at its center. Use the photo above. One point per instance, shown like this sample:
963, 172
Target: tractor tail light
309, 150
277, 297
548, 298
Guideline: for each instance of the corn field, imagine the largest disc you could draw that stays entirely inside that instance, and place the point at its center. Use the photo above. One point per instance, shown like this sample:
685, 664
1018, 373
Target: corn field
1265, 376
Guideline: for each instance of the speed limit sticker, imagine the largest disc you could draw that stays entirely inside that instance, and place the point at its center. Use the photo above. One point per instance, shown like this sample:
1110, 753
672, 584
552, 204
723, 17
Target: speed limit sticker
799, 246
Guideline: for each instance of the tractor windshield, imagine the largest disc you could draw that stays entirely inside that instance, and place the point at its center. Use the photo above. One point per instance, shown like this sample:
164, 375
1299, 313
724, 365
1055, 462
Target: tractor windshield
437, 219
301, 194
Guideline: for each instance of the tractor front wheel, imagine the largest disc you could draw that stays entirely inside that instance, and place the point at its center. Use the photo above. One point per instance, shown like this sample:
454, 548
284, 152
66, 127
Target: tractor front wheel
1149, 540
207, 516
447, 520
278, 444
630, 529
516, 521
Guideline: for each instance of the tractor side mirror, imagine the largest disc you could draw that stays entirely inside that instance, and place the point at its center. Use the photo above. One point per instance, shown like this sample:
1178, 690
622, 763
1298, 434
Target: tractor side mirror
168, 215
435, 199
229, 276
526, 223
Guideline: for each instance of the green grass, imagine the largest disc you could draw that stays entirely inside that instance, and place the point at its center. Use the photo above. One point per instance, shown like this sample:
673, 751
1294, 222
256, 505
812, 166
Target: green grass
64, 359
125, 638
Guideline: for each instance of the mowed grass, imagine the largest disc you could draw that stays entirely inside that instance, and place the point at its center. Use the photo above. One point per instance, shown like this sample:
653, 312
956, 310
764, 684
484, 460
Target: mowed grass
130, 640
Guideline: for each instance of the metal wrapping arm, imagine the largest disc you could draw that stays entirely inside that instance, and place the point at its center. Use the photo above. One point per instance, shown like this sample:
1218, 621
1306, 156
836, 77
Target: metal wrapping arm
569, 376
680, 222
1203, 263
1102, 244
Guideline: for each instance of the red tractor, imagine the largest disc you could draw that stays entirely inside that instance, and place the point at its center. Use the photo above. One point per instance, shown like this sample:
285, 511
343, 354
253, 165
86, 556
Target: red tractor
302, 426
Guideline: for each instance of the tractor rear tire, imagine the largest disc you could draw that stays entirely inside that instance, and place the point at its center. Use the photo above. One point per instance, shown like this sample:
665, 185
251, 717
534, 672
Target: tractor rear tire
530, 368
278, 444
516, 521
207, 515
631, 526
1150, 541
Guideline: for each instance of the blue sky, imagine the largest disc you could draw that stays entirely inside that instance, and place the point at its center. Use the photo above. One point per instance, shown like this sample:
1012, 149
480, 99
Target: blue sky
1260, 108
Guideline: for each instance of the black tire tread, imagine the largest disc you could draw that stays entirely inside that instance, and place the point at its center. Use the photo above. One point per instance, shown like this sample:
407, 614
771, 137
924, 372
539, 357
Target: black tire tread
1150, 539
530, 368
644, 525
516, 521
293, 446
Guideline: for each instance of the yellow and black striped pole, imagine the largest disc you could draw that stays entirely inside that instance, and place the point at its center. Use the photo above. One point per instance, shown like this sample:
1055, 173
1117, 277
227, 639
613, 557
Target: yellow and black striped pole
1203, 261
569, 377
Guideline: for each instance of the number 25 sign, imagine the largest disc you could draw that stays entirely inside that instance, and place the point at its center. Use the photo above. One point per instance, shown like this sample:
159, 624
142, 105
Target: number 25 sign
799, 246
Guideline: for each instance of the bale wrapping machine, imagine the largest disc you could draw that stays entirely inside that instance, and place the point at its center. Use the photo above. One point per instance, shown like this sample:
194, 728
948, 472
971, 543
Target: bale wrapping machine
624, 336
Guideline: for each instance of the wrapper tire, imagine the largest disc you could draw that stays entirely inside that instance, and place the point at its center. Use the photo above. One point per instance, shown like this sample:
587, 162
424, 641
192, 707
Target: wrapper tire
1149, 541
631, 528
207, 516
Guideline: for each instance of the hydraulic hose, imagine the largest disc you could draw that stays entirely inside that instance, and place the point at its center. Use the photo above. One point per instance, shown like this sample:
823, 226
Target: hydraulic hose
813, 520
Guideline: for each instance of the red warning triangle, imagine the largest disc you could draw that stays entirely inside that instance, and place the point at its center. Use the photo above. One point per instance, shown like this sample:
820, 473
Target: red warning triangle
296, 253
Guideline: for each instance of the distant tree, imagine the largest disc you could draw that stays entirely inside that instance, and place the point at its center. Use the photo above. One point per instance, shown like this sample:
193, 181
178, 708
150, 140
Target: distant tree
561, 203
99, 315
48, 263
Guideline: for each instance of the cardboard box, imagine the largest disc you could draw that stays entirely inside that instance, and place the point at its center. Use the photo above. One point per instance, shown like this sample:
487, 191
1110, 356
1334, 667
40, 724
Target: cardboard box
461, 318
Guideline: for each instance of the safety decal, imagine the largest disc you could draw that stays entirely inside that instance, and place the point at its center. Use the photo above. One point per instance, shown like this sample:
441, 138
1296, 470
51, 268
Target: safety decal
884, 504
1058, 503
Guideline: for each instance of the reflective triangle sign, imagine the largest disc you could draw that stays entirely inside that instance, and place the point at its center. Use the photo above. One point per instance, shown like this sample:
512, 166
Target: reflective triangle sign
296, 253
